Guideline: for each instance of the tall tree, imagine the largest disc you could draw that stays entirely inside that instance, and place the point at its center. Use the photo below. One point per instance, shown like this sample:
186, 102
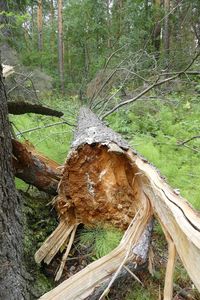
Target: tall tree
40, 25
60, 44
52, 15
4, 18
12, 285
166, 32
157, 28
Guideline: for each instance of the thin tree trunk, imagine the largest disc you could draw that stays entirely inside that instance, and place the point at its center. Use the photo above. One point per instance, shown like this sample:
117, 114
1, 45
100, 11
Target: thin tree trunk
4, 20
40, 25
157, 29
60, 45
166, 30
12, 284
108, 23
52, 37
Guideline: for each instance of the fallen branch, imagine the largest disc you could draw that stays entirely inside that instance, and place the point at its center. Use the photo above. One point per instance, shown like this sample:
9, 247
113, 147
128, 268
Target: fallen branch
34, 168
19, 108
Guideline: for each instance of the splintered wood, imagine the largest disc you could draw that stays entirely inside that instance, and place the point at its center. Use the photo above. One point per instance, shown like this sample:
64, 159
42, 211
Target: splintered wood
106, 182
99, 187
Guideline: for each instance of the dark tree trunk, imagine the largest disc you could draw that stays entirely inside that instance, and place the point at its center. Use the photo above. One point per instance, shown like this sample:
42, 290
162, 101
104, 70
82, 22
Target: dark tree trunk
4, 19
12, 283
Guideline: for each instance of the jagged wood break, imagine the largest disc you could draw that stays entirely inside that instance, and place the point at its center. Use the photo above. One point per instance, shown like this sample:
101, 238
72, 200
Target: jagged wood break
34, 168
106, 182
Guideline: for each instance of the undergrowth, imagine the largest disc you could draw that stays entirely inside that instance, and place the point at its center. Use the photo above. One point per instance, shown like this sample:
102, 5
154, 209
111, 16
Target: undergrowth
157, 128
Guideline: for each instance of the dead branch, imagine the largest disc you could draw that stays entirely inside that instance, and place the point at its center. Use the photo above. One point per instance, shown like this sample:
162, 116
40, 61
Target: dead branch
155, 84
43, 127
188, 140
34, 168
19, 108
105, 82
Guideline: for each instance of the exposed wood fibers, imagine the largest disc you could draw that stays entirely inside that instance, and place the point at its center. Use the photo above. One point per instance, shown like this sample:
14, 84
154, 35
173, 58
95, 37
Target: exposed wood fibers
98, 186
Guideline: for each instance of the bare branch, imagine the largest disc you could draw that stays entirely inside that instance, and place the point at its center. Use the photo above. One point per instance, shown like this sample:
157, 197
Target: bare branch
112, 54
105, 82
43, 127
190, 139
155, 84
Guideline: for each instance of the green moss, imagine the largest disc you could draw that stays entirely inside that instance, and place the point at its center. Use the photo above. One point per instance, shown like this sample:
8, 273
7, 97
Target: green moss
39, 222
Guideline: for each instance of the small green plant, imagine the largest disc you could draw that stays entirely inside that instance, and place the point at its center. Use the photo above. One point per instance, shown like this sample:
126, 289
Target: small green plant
101, 240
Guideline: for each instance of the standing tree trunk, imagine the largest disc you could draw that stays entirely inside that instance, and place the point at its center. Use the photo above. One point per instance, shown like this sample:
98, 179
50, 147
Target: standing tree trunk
52, 37
157, 29
12, 284
39, 24
108, 24
166, 33
4, 19
60, 45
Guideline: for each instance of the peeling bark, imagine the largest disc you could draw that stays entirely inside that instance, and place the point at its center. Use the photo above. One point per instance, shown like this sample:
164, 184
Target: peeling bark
34, 168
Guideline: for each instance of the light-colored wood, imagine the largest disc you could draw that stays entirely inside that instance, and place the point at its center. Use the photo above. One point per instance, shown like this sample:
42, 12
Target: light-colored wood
64, 258
168, 287
82, 284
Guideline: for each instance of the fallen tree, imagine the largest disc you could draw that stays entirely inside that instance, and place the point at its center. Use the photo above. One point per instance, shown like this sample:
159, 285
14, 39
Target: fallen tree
106, 182
34, 168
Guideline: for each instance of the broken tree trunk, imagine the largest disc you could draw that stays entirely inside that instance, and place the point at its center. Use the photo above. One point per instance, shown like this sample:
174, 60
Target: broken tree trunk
34, 168
106, 182
100, 187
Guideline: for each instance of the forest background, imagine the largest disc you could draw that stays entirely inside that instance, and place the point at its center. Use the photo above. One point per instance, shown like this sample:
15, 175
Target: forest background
104, 52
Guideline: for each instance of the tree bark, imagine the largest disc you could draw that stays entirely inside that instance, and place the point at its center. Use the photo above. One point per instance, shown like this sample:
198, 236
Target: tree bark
60, 45
166, 30
12, 283
157, 29
40, 25
4, 20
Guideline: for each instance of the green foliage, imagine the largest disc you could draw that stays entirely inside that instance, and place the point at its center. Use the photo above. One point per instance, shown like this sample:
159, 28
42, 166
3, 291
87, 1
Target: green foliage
101, 240
156, 129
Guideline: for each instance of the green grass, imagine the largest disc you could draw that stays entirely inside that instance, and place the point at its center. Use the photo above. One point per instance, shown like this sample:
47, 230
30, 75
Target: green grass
156, 129
101, 240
